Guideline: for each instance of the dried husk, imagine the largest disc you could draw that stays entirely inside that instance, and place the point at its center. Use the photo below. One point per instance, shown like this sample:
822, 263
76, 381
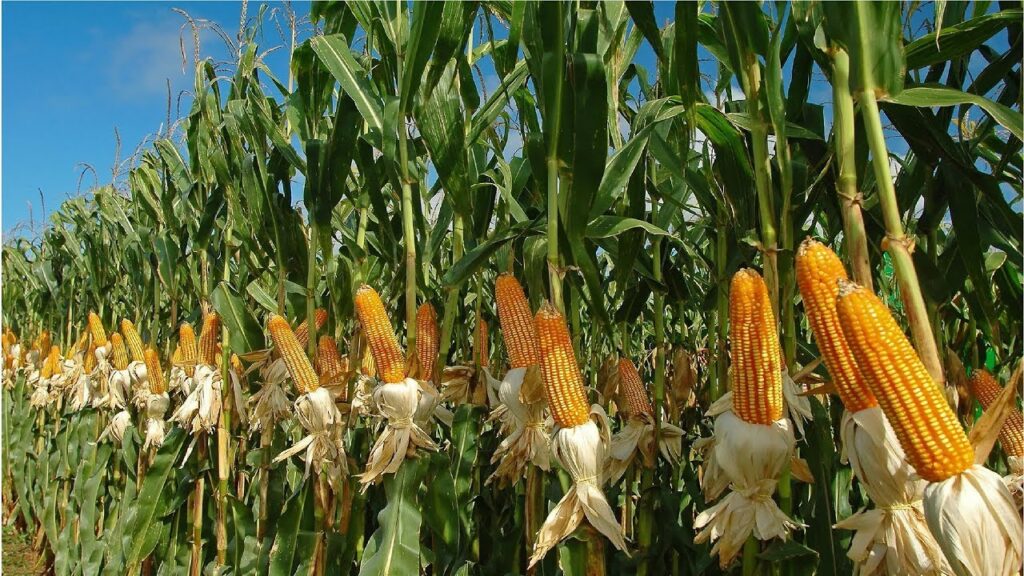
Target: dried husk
397, 403
80, 392
429, 407
40, 397
119, 387
139, 376
797, 405
976, 523
201, 409
270, 404
180, 381
751, 457
156, 407
893, 537
581, 452
323, 446
637, 437
527, 440
681, 382
117, 427
1015, 479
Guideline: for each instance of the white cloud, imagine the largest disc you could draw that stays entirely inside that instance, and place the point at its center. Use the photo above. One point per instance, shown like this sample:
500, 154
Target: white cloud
140, 62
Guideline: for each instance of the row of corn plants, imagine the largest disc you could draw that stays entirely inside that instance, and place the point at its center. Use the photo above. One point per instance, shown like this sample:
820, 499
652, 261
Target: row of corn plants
521, 288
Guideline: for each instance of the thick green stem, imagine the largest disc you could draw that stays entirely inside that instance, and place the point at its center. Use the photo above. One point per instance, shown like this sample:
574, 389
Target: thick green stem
312, 275
762, 176
721, 380
855, 237
898, 244
451, 304
552, 128
750, 550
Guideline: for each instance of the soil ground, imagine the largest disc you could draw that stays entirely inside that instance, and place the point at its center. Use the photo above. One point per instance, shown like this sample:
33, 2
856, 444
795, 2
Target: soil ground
18, 557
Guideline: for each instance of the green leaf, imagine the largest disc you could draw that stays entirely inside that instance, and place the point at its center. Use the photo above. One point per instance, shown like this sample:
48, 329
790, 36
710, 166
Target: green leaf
335, 53
243, 329
608, 226
959, 40
928, 96
153, 491
394, 547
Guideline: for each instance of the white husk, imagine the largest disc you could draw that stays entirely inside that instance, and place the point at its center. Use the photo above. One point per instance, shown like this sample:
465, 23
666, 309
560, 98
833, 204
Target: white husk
752, 457
798, 407
581, 451
976, 522
398, 403
1015, 479
270, 404
527, 441
156, 407
179, 381
637, 437
201, 409
140, 383
323, 446
81, 392
893, 537
60, 383
116, 429
362, 397
429, 407
499, 413
119, 386
40, 397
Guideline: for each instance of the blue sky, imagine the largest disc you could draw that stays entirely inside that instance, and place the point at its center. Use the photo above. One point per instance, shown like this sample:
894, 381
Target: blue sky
73, 72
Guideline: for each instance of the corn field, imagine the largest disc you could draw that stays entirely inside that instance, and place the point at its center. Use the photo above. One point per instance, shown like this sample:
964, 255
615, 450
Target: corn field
492, 287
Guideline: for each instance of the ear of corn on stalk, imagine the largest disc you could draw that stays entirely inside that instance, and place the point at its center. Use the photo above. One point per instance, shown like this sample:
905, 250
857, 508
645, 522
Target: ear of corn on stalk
99, 335
132, 339
156, 375
632, 391
818, 271
1011, 436
968, 507
754, 351
120, 352
387, 356
302, 332
517, 324
208, 337
428, 342
563, 381
483, 353
287, 344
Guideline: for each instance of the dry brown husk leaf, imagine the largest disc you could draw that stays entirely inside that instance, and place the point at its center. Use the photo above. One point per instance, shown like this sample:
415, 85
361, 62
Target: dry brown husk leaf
156, 407
893, 537
119, 423
581, 452
749, 458
270, 404
637, 437
397, 403
323, 445
201, 409
527, 439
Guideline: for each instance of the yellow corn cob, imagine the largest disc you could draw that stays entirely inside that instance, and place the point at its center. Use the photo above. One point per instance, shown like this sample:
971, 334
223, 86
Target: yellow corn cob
294, 355
50, 365
188, 348
428, 343
302, 332
1011, 436
7, 341
563, 381
120, 353
754, 350
208, 337
132, 339
156, 375
43, 344
926, 427
387, 355
483, 353
517, 327
818, 271
90, 359
99, 335
329, 363
633, 391
238, 368
79, 344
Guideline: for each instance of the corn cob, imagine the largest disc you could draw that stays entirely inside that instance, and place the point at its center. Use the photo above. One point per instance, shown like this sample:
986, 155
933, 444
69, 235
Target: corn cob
517, 326
155, 375
329, 363
483, 353
294, 356
120, 353
818, 271
90, 358
632, 390
208, 337
755, 353
50, 365
237, 367
187, 342
1011, 436
387, 355
302, 332
428, 343
563, 381
99, 335
132, 339
43, 343
926, 427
